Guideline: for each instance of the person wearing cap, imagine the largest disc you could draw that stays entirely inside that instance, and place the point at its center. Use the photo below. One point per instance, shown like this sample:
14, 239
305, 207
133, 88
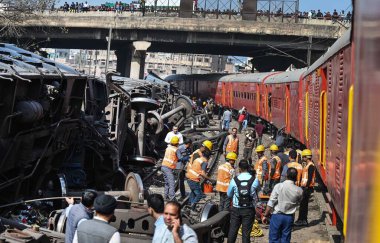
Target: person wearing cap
78, 213
275, 166
183, 153
98, 230
259, 128
174, 133
169, 163
307, 185
231, 143
173, 230
156, 206
197, 170
261, 166
226, 172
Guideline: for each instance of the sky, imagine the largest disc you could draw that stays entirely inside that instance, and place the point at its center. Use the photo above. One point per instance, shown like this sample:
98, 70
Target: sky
305, 5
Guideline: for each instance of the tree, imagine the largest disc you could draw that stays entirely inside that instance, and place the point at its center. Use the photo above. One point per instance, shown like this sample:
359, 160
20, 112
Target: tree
14, 12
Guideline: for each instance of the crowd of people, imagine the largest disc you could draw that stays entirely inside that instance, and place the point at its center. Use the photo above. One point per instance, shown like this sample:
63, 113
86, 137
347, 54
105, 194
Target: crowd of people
287, 176
139, 5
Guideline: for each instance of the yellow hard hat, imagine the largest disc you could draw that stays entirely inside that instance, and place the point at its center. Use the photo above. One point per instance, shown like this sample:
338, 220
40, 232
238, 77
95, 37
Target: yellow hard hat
273, 147
207, 144
174, 140
231, 155
306, 152
204, 103
260, 148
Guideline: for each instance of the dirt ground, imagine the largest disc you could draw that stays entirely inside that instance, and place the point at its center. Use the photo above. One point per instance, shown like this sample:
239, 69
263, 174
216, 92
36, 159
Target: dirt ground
316, 232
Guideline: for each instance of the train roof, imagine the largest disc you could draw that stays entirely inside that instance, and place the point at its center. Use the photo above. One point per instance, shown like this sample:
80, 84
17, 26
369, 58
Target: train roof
246, 78
197, 77
337, 46
286, 77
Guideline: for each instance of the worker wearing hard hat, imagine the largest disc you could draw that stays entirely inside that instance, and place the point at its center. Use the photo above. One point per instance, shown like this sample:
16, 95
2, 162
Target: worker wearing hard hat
169, 163
261, 166
196, 170
275, 166
307, 184
225, 174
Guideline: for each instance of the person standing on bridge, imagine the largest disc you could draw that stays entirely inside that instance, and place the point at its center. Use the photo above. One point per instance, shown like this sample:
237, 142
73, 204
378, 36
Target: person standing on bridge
226, 172
169, 163
226, 119
307, 185
231, 144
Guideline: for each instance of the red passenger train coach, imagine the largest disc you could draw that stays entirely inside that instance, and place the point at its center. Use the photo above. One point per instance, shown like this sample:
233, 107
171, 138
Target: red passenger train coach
311, 104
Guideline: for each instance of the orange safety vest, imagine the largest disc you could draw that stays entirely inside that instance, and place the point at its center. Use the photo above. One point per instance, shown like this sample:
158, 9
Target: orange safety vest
170, 159
198, 151
232, 144
305, 175
194, 169
225, 174
277, 172
259, 168
298, 167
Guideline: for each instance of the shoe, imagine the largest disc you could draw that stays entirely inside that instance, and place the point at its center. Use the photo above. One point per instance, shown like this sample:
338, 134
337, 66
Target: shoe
301, 223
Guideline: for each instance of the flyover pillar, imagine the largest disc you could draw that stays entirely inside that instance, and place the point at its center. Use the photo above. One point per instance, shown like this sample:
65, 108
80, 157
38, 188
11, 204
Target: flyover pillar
138, 59
124, 58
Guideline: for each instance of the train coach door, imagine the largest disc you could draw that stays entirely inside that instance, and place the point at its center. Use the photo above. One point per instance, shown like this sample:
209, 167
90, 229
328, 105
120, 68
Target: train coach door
323, 118
257, 99
287, 108
224, 94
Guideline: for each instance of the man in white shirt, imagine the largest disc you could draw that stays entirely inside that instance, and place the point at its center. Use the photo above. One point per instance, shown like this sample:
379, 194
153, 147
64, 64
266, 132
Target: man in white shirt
173, 133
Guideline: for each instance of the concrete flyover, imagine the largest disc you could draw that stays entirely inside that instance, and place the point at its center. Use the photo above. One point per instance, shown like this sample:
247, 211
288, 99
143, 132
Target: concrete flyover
264, 41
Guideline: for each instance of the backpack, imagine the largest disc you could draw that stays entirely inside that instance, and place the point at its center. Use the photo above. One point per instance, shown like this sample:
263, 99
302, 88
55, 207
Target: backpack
244, 192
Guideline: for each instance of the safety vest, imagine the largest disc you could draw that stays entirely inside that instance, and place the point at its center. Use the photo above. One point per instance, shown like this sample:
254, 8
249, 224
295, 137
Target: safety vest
198, 151
232, 144
170, 159
194, 169
225, 174
305, 175
277, 172
259, 168
298, 167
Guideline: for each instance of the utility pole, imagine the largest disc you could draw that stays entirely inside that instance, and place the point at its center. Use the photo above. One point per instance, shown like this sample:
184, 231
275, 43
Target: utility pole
309, 51
109, 38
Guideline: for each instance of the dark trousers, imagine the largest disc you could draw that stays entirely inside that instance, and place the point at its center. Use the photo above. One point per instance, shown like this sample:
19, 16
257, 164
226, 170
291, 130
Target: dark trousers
244, 217
196, 192
181, 182
280, 228
304, 206
272, 183
247, 153
224, 202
